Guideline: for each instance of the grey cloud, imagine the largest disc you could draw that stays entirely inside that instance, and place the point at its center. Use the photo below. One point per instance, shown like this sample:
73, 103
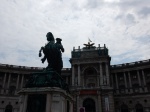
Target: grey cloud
126, 19
144, 11
130, 19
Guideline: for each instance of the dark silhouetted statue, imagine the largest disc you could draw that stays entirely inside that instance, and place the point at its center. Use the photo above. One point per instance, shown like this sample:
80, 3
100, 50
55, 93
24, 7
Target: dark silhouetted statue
52, 53
51, 76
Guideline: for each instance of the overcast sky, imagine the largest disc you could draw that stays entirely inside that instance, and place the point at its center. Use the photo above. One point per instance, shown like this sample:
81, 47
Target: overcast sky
123, 25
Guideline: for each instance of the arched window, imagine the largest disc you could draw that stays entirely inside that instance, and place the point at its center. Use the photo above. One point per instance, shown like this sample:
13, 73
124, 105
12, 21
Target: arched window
89, 105
91, 85
8, 108
124, 108
122, 88
90, 77
12, 90
136, 88
90, 71
139, 108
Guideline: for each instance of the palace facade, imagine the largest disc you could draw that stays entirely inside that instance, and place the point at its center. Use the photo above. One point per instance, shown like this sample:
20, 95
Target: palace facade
95, 85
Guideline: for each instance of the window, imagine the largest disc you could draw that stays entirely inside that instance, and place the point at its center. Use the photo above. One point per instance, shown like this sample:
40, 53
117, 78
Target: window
134, 76
8, 108
120, 78
12, 90
91, 85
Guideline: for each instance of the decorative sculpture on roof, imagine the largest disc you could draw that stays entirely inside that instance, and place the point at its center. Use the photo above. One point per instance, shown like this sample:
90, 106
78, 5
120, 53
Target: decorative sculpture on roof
89, 45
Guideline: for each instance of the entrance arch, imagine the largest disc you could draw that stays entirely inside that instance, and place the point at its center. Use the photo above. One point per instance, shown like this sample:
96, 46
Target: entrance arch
139, 108
89, 105
8, 108
124, 108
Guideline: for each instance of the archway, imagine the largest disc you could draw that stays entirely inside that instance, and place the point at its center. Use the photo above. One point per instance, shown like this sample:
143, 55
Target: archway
90, 77
89, 105
124, 108
139, 108
8, 108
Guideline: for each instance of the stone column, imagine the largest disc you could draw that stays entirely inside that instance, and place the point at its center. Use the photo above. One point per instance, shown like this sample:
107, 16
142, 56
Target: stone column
78, 74
73, 75
4, 81
25, 103
9, 78
48, 102
116, 83
107, 74
99, 103
17, 85
22, 80
101, 74
130, 83
139, 80
112, 80
111, 103
143, 75
125, 80
71, 107
78, 105
117, 87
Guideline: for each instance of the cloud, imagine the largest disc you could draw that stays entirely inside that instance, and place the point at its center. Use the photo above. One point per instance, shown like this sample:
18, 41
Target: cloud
144, 12
116, 23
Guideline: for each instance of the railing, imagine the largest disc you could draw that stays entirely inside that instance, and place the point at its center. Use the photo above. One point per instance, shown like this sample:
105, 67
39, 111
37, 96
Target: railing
86, 49
83, 87
26, 67
66, 69
131, 64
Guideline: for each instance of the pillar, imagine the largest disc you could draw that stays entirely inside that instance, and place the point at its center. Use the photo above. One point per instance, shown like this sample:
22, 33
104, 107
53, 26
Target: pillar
107, 74
125, 80
78, 102
139, 79
17, 84
99, 103
116, 83
22, 79
73, 75
25, 103
4, 81
130, 83
8, 82
112, 84
79, 75
144, 82
48, 102
101, 74
111, 102
71, 107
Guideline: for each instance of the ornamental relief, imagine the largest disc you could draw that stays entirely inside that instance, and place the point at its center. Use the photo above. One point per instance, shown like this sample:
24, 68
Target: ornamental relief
84, 67
91, 60
89, 54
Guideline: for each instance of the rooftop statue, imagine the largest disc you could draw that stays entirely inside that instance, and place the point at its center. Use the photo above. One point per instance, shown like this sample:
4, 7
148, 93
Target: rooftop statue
51, 76
89, 45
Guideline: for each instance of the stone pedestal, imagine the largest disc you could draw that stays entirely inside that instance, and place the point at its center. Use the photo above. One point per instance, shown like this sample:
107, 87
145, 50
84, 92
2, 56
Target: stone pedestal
45, 99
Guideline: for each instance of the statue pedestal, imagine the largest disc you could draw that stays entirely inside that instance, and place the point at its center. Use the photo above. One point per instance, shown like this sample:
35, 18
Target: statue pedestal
45, 99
